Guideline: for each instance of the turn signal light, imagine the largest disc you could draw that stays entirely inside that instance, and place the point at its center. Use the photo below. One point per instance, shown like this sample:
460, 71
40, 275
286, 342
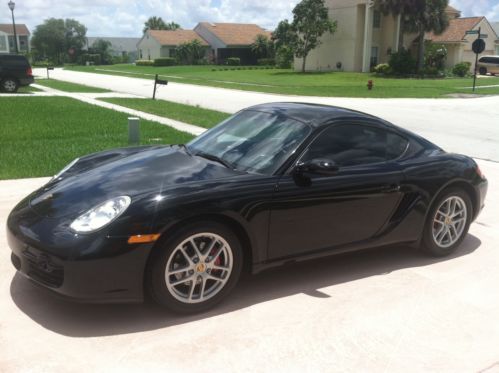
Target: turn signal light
143, 238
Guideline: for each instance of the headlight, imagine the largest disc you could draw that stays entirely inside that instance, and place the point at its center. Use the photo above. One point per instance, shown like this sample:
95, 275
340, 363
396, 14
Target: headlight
59, 174
101, 215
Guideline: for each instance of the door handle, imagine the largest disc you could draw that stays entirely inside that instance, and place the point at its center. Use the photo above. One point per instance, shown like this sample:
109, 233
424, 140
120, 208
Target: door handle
391, 188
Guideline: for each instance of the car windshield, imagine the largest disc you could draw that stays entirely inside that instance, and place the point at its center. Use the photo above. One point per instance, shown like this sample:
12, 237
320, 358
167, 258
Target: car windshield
251, 141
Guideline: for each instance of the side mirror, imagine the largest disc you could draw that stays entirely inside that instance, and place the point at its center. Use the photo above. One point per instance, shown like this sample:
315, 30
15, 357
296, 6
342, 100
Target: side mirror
320, 166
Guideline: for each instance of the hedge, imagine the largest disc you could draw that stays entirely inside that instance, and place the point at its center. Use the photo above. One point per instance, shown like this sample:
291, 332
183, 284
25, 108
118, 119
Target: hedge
165, 61
233, 61
144, 63
266, 61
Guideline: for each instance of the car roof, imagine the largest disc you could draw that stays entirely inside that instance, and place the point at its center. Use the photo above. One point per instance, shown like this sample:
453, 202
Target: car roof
314, 114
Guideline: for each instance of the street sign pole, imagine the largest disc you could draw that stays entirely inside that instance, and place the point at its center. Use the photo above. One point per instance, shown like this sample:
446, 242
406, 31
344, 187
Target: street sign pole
476, 61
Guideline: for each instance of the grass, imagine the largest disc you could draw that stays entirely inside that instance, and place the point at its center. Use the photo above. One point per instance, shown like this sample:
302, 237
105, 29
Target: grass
28, 89
69, 87
185, 113
286, 81
42, 134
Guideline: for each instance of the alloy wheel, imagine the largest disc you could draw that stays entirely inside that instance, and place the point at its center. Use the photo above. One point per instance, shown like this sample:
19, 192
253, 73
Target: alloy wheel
449, 221
9, 85
198, 268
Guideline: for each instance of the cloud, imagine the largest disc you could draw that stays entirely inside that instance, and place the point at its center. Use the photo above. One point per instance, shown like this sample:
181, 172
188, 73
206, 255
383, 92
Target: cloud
470, 8
127, 17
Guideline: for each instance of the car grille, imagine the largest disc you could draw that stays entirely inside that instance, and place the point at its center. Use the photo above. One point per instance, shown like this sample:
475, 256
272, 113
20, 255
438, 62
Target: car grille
42, 269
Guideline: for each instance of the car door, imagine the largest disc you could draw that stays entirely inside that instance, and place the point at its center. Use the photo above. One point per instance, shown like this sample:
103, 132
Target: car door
314, 212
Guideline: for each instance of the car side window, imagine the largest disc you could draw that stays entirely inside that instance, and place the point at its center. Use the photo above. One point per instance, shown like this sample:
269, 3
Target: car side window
355, 144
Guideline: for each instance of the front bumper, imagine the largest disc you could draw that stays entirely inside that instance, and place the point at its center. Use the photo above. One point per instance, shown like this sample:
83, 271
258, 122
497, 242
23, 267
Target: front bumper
110, 279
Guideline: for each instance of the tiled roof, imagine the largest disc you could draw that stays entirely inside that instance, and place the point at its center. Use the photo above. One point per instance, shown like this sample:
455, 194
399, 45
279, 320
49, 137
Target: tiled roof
21, 29
451, 9
176, 37
235, 34
456, 30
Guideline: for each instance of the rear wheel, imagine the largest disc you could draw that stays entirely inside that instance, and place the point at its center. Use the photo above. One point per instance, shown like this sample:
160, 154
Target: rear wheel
448, 222
197, 269
10, 85
482, 70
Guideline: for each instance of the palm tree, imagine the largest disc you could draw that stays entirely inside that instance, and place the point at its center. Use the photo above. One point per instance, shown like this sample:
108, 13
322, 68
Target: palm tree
157, 23
261, 46
395, 8
426, 16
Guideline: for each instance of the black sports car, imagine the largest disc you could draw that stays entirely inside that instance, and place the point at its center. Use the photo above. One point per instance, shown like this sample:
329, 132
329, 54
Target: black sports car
272, 184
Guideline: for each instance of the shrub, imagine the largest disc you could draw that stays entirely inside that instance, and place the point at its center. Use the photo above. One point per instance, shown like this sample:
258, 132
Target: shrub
233, 61
266, 61
94, 59
461, 69
382, 68
402, 63
435, 55
284, 57
431, 70
164, 61
144, 63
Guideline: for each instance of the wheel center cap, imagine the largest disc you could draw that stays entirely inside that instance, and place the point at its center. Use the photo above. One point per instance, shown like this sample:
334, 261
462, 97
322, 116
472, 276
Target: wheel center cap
200, 267
448, 220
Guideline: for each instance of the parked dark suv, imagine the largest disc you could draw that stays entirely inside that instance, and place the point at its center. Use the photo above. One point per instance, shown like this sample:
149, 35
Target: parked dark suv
15, 71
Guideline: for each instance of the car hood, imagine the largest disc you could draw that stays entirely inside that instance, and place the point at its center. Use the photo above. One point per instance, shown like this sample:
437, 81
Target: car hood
134, 172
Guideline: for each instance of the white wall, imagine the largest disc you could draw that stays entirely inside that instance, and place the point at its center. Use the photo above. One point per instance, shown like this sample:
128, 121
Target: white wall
148, 48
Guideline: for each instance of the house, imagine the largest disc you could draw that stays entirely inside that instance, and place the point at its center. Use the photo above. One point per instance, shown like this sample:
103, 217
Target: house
163, 43
7, 38
365, 37
495, 26
231, 40
124, 47
458, 43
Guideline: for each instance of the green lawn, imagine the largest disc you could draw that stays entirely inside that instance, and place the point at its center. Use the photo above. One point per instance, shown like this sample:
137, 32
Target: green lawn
338, 84
185, 113
42, 134
27, 89
69, 87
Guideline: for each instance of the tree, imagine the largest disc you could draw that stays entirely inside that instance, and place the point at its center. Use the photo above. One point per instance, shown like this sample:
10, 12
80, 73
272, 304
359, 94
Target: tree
262, 46
157, 23
284, 38
59, 40
426, 16
310, 22
103, 47
190, 52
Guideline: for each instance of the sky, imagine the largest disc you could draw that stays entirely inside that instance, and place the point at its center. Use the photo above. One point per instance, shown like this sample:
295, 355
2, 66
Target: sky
127, 17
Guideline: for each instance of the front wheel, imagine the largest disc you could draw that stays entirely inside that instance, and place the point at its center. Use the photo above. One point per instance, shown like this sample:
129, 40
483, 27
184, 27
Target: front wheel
10, 85
482, 70
197, 269
448, 223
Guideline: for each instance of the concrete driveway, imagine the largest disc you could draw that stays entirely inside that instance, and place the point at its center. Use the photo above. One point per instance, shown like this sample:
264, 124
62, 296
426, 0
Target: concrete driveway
467, 126
387, 310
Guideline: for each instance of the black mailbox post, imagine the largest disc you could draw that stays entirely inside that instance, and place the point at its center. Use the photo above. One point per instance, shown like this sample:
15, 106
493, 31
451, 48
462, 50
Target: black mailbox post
156, 82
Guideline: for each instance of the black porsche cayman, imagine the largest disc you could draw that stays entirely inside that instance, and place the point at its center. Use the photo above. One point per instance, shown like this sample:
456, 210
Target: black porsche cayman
274, 183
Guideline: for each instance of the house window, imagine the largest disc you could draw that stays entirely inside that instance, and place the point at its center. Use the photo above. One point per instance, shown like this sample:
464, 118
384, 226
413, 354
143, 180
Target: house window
374, 56
376, 19
173, 52
3, 43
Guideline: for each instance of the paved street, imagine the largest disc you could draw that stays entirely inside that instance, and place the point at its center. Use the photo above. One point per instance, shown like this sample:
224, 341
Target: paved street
388, 310
469, 126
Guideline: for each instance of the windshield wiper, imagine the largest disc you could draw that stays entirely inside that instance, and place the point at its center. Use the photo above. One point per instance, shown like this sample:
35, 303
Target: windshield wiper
212, 157
186, 149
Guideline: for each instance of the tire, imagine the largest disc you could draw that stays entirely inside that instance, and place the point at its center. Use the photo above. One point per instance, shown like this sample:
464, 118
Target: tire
174, 290
10, 85
482, 70
443, 233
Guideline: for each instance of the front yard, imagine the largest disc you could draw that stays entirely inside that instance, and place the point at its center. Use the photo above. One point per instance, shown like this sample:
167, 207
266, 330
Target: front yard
42, 134
329, 84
